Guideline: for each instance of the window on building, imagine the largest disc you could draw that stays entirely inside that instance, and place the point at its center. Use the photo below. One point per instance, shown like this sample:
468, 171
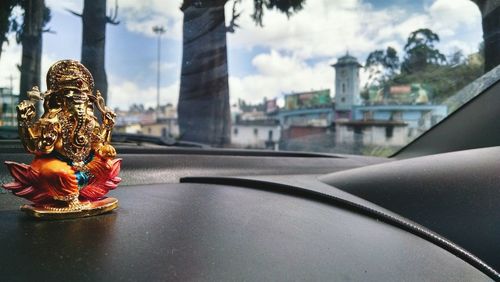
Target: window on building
235, 131
164, 132
255, 131
149, 130
389, 130
343, 87
342, 99
270, 135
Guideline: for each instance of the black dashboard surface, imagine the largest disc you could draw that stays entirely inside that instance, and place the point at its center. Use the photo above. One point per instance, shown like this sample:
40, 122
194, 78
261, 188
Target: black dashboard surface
219, 232
222, 229
454, 194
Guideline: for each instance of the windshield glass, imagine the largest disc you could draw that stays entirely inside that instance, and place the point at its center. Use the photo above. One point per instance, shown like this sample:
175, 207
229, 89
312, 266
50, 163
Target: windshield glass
354, 76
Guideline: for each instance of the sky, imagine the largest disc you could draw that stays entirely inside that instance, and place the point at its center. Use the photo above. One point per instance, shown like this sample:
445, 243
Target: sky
286, 55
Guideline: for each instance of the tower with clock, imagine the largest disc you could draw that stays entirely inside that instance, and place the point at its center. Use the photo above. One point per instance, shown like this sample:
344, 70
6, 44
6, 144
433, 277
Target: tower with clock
347, 92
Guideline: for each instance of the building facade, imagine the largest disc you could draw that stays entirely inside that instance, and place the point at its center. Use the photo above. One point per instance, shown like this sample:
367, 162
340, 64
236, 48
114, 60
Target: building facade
256, 134
165, 127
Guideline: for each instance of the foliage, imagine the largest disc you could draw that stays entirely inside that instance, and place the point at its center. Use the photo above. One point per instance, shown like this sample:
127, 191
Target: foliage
288, 7
6, 7
444, 80
247, 107
456, 58
424, 64
18, 26
382, 66
421, 52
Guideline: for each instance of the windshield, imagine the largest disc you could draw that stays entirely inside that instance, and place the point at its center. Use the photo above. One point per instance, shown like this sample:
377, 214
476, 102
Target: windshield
354, 76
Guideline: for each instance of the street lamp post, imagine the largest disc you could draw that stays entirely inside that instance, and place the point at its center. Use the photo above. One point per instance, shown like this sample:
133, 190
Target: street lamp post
159, 30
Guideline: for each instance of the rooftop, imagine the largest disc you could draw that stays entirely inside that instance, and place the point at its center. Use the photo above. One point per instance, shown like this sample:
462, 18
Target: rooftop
259, 122
371, 123
347, 60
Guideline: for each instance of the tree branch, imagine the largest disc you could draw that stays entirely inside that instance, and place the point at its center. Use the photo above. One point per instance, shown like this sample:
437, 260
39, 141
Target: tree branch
74, 13
113, 14
48, 30
235, 15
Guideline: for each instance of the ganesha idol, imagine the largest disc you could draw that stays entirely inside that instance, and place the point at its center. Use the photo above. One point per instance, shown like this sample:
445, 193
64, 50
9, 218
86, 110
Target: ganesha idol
74, 164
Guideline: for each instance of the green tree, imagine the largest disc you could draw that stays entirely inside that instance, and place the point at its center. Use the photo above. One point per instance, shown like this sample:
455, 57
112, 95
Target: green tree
382, 66
456, 58
6, 7
203, 108
421, 52
425, 65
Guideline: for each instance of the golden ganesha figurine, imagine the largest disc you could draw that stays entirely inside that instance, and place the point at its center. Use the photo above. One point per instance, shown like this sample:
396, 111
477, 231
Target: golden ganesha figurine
74, 165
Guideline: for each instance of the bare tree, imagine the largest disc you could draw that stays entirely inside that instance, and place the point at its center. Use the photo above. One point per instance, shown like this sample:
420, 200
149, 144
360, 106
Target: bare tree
204, 92
203, 108
94, 20
36, 16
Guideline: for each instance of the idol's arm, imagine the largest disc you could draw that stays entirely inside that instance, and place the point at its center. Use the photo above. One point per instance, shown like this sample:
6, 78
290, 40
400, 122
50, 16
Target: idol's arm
104, 149
28, 129
38, 137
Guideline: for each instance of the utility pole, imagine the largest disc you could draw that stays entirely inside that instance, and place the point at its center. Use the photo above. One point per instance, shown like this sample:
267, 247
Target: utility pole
159, 30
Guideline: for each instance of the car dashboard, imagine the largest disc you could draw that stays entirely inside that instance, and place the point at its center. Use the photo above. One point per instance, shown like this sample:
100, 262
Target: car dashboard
210, 214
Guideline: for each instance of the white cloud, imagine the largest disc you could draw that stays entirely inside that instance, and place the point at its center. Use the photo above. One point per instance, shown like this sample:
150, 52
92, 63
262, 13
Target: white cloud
277, 73
322, 31
137, 16
142, 16
125, 93
62, 5
327, 28
452, 13
164, 66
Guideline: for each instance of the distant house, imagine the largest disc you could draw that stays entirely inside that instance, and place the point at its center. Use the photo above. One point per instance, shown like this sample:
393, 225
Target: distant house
361, 133
321, 117
161, 122
405, 94
256, 134
165, 127
392, 115
418, 118
392, 125
128, 128
313, 108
